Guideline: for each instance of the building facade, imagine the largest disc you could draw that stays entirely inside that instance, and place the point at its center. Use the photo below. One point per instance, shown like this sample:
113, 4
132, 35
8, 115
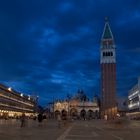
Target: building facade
134, 101
78, 106
108, 73
13, 104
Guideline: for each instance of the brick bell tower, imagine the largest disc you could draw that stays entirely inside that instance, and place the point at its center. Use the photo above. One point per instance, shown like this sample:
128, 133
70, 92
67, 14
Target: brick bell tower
108, 73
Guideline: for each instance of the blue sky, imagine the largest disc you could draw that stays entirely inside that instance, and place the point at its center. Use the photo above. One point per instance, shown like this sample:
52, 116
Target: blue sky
51, 47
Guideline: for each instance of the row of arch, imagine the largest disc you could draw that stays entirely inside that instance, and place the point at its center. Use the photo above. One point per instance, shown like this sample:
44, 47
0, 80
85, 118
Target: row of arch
73, 113
107, 53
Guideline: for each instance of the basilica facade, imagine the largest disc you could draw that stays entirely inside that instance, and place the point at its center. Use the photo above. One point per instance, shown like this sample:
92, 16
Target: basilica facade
78, 106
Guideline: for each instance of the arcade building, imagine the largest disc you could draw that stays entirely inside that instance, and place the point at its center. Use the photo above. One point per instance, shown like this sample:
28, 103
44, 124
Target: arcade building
13, 104
134, 101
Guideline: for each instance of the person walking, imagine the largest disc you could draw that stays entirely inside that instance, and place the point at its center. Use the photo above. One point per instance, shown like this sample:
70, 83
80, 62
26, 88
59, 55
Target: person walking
40, 118
59, 120
23, 120
64, 118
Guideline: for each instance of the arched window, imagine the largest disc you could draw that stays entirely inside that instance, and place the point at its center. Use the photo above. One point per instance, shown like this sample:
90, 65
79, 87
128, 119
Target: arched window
103, 53
106, 54
111, 53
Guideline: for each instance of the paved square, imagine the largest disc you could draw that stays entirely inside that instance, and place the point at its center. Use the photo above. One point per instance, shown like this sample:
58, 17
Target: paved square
77, 130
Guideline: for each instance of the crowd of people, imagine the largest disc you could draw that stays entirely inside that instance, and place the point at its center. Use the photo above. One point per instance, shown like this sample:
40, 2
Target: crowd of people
61, 119
40, 117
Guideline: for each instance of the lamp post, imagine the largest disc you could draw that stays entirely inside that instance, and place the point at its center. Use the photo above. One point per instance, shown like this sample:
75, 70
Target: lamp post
68, 110
68, 101
36, 104
22, 103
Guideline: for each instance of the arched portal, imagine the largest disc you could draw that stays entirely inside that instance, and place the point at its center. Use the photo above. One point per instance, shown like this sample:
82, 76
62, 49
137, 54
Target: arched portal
56, 113
64, 114
90, 114
74, 113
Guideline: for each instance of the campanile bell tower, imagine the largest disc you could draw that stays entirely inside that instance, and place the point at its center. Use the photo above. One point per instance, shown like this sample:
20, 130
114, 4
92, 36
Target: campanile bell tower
108, 73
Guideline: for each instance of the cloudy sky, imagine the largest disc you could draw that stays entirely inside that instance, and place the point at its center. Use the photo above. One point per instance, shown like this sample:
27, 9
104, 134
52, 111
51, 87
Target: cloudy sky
51, 47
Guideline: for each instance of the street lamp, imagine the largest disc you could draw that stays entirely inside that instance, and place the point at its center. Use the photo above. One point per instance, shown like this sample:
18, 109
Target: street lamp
29, 97
10, 89
21, 94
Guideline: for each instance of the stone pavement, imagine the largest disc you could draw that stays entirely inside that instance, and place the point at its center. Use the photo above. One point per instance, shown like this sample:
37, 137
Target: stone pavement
77, 130
11, 130
100, 130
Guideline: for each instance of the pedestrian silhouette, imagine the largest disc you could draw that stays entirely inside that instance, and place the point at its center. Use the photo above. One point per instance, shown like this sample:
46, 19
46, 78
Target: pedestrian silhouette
59, 120
40, 118
23, 119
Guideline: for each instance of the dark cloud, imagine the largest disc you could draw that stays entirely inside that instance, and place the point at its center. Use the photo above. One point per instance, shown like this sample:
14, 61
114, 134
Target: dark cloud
50, 48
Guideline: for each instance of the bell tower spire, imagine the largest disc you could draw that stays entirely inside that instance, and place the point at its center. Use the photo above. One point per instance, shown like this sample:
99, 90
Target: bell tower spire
107, 33
107, 45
